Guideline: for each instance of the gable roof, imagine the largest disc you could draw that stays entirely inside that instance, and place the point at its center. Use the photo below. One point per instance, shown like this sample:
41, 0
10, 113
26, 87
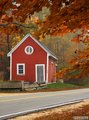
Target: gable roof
39, 43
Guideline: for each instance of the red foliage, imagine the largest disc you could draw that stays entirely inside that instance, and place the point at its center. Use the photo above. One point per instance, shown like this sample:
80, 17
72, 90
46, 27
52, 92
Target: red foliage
74, 15
1, 53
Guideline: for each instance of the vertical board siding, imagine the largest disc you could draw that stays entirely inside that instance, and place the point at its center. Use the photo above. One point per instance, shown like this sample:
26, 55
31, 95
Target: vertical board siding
39, 56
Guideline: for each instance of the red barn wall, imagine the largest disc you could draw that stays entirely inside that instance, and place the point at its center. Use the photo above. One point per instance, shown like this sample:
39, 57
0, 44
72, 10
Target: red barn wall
52, 71
39, 56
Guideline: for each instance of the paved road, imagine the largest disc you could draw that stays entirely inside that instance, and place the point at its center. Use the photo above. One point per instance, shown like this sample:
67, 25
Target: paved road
13, 105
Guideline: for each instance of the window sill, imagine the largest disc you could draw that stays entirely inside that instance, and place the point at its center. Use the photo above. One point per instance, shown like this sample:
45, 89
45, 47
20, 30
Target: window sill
20, 74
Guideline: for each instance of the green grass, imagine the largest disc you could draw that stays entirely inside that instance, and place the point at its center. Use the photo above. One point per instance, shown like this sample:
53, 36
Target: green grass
56, 87
61, 85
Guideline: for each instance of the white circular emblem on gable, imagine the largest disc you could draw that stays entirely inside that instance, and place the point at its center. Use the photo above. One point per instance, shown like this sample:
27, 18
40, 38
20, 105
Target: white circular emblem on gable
29, 50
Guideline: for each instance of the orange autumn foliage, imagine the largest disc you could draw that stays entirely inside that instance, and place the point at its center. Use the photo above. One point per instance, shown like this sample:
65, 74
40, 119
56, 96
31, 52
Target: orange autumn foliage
61, 73
79, 67
63, 18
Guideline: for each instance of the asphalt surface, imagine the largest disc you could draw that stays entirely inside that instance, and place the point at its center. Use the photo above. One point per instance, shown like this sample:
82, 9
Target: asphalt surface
14, 105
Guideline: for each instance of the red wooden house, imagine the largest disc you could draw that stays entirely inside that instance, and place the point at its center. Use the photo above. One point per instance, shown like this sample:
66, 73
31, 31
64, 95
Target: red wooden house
31, 61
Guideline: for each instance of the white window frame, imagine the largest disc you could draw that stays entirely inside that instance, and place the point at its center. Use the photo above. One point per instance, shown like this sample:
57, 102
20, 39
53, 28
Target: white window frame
18, 69
43, 70
28, 52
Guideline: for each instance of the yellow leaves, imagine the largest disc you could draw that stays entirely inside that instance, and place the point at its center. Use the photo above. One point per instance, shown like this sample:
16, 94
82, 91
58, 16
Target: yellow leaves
41, 37
35, 19
16, 39
27, 20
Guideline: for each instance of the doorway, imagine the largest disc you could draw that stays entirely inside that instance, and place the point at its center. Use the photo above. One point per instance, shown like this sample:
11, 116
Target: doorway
40, 73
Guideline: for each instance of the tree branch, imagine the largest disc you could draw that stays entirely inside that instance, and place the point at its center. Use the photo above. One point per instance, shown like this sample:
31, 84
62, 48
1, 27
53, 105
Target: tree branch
17, 24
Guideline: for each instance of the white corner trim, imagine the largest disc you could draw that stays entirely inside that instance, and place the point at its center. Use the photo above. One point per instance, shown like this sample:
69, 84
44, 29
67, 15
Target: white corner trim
36, 71
47, 69
17, 68
10, 67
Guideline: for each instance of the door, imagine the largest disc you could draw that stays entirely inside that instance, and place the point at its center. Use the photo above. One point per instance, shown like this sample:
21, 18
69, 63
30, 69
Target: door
40, 73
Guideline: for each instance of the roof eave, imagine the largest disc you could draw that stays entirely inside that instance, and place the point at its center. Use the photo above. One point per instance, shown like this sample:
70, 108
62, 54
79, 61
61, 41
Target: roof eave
13, 49
9, 54
29, 35
53, 56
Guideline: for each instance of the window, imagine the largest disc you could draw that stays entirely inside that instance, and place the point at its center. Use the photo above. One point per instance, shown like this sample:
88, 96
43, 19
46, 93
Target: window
20, 69
29, 50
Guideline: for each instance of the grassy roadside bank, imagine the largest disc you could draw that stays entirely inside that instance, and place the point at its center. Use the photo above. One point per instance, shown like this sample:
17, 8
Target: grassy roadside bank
61, 86
50, 87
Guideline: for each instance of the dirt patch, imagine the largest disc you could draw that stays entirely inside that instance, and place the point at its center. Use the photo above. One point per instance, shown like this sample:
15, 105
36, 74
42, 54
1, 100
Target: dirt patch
79, 111
40, 90
11, 94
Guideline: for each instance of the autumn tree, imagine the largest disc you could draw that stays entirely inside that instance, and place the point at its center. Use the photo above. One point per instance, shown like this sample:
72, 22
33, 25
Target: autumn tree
65, 16
81, 60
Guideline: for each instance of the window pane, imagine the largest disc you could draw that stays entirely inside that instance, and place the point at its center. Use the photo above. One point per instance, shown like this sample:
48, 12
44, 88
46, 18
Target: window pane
20, 66
20, 71
29, 49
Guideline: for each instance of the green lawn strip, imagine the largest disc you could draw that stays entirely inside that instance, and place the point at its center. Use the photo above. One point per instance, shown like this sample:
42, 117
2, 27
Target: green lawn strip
65, 85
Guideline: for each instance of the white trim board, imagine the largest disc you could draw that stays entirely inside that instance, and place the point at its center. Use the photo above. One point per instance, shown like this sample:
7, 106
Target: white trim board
47, 69
29, 35
10, 67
